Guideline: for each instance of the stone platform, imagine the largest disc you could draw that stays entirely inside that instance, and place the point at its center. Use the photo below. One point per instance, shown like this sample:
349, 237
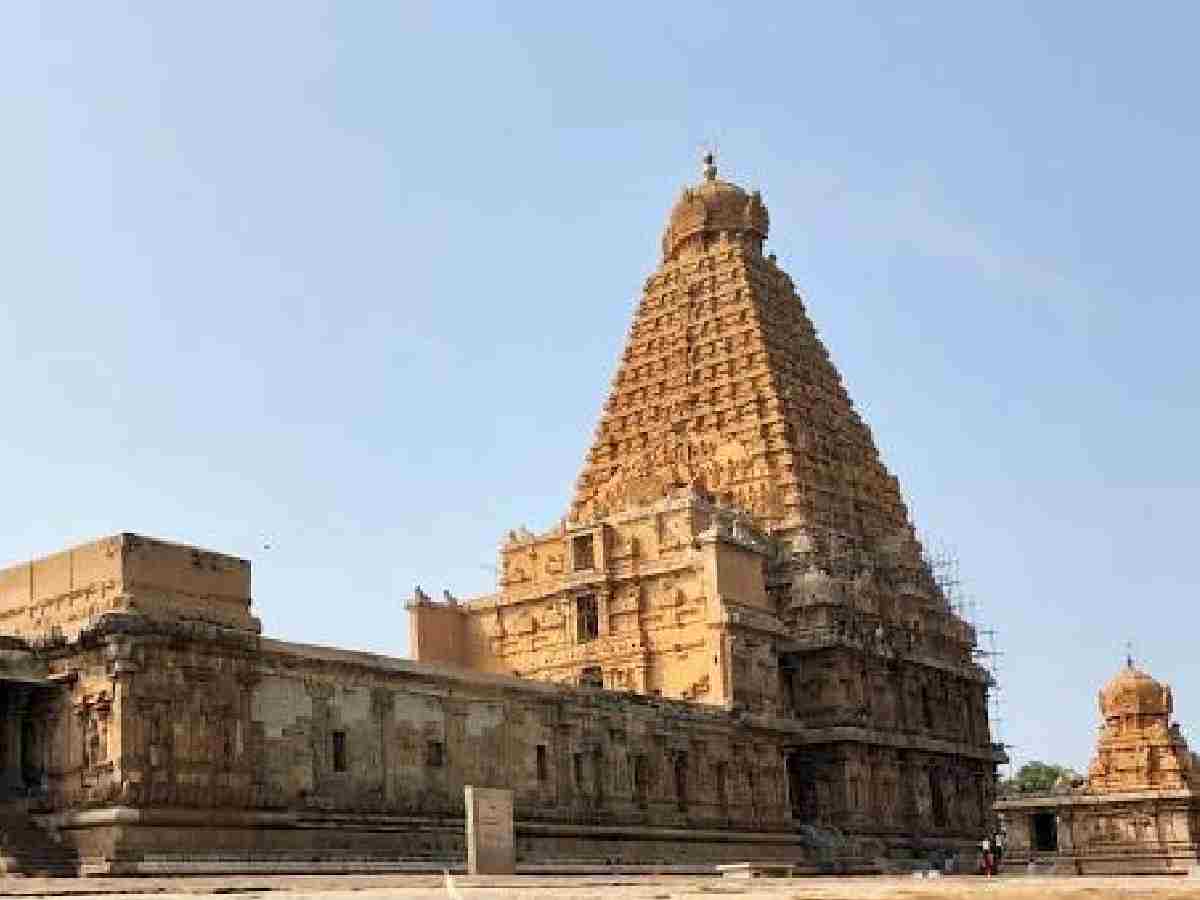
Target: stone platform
611, 887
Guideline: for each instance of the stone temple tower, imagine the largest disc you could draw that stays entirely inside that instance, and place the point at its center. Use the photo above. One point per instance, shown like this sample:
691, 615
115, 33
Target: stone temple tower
734, 539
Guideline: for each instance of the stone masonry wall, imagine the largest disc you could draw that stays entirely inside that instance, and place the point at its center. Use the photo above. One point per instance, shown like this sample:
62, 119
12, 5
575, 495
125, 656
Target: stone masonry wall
62, 593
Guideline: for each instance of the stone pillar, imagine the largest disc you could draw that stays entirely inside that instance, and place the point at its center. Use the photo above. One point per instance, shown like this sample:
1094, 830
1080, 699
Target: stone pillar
789, 800
1066, 829
383, 709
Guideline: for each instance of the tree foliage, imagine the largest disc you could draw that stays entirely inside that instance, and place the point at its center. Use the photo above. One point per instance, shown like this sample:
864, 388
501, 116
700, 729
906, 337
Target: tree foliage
1037, 777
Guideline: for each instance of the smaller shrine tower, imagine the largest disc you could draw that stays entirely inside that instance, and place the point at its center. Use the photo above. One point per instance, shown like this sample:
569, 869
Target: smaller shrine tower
1139, 749
1138, 810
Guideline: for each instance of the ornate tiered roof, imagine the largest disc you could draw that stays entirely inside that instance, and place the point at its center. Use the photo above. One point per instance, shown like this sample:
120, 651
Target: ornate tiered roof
1139, 747
726, 387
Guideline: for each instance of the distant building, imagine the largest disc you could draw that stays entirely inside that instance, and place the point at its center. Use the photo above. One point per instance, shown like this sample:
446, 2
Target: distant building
1137, 811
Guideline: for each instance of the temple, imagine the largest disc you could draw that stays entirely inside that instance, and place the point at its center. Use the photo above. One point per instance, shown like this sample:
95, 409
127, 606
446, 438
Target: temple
731, 647
1138, 809
735, 541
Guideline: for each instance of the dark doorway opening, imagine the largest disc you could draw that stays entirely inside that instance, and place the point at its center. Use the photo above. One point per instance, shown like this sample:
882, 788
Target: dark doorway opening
937, 800
681, 780
722, 774
801, 770
1045, 832
641, 780
31, 771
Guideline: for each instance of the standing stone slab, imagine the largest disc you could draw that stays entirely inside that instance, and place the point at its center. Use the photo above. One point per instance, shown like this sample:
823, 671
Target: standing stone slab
490, 846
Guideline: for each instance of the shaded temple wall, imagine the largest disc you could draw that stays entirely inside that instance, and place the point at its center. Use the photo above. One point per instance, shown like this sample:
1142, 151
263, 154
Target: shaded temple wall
166, 716
164, 719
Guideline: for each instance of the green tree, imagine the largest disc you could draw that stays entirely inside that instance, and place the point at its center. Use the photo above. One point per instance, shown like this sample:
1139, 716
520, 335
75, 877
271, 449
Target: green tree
1037, 777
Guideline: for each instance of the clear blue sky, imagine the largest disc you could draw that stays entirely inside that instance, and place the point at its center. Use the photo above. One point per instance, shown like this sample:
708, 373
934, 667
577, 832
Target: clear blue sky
353, 278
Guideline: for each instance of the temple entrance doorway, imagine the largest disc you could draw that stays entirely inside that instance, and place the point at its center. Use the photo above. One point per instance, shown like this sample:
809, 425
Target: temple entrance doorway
22, 737
802, 788
1045, 832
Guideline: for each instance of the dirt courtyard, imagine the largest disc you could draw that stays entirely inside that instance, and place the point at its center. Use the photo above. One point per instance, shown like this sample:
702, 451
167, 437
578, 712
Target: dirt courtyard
650, 887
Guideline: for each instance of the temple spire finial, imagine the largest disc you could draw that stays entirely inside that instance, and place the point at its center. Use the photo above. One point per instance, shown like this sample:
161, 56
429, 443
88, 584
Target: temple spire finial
710, 166
1129, 654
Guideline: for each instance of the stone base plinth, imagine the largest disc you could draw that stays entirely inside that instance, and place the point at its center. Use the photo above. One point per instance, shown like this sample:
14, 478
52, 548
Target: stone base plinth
127, 841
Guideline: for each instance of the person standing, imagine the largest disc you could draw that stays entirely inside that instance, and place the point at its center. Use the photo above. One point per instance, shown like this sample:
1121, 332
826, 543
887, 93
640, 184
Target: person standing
988, 861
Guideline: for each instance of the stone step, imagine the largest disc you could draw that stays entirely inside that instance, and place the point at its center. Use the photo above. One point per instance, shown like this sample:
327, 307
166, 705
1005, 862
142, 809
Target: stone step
27, 849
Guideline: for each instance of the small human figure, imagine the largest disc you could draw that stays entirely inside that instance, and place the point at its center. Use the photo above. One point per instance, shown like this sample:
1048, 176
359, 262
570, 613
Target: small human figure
988, 861
998, 851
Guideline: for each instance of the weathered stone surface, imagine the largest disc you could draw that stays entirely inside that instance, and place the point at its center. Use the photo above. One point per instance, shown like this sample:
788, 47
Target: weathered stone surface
491, 846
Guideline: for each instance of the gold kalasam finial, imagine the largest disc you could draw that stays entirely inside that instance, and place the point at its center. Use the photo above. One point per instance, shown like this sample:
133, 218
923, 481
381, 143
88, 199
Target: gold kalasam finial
710, 167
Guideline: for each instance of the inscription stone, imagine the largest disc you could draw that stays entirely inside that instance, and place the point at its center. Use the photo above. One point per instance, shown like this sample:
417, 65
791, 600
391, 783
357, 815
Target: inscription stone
490, 846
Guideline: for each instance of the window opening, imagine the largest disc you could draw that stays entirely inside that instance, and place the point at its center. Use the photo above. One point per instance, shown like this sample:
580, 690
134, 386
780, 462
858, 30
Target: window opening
583, 553
937, 800
435, 754
587, 617
339, 751
641, 779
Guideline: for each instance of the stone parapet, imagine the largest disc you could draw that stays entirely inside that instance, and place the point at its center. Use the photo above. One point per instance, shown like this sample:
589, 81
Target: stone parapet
63, 593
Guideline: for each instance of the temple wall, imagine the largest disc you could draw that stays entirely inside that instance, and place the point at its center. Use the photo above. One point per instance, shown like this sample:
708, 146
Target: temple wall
61, 590
61, 593
172, 707
636, 603
148, 715
296, 749
438, 634
411, 739
739, 576
1128, 833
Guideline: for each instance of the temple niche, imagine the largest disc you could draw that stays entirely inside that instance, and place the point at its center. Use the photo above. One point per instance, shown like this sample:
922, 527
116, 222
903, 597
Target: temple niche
1138, 808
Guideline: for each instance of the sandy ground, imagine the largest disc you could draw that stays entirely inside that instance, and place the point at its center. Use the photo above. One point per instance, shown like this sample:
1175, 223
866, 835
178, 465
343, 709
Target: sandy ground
662, 887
